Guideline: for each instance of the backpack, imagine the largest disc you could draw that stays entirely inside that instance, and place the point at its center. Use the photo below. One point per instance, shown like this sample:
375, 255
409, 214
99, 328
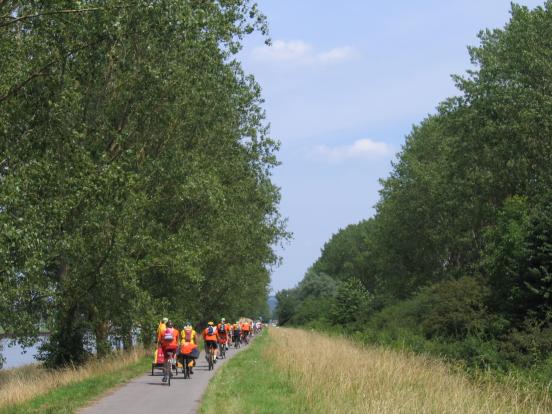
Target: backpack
222, 329
210, 330
188, 335
168, 335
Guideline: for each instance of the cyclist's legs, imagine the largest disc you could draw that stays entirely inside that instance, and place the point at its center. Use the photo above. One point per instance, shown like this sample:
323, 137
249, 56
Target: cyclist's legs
167, 364
210, 348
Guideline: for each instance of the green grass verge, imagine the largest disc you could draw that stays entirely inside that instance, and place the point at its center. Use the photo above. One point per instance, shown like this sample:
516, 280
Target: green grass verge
69, 398
248, 383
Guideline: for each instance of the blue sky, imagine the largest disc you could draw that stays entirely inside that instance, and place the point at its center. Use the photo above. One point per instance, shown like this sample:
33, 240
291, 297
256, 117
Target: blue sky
344, 81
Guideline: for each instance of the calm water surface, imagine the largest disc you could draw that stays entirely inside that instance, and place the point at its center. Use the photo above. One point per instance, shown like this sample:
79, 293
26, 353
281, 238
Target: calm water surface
15, 355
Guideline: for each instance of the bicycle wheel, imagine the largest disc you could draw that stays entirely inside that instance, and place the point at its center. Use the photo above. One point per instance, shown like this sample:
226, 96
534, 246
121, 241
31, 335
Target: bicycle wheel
166, 370
188, 368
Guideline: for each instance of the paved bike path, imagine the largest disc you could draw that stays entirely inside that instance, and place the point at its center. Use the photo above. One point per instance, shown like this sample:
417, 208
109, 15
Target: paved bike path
147, 394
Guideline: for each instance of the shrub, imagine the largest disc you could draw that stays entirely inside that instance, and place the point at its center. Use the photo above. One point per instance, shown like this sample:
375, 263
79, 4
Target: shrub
454, 308
528, 345
352, 303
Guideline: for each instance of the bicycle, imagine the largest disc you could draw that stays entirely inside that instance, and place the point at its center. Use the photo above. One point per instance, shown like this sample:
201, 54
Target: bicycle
167, 371
210, 351
237, 340
222, 349
186, 369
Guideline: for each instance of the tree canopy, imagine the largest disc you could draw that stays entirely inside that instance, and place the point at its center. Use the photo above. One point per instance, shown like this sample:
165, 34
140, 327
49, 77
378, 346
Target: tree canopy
135, 169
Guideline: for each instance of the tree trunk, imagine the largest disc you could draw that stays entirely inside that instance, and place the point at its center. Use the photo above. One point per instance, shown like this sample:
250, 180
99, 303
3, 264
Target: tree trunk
103, 347
127, 341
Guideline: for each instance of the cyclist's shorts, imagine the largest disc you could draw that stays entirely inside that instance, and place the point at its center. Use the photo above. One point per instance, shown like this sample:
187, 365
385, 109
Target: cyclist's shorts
169, 349
211, 344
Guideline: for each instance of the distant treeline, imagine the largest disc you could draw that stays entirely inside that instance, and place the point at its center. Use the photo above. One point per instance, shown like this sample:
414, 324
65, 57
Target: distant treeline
135, 170
458, 257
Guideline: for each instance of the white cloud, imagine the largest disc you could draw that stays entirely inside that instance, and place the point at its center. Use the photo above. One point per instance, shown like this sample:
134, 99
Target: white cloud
362, 148
297, 51
338, 54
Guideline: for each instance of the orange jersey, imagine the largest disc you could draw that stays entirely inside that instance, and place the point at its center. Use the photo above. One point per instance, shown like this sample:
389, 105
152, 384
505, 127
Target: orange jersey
246, 327
208, 337
187, 348
173, 344
222, 332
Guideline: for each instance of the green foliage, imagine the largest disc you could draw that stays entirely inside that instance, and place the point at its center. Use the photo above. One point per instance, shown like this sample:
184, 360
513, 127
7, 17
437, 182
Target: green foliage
454, 308
518, 260
342, 255
287, 304
311, 310
352, 303
135, 169
458, 257
309, 301
529, 344
504, 249
317, 285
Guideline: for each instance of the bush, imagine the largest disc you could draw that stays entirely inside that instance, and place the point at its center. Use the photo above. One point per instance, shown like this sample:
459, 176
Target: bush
528, 345
455, 308
352, 303
311, 309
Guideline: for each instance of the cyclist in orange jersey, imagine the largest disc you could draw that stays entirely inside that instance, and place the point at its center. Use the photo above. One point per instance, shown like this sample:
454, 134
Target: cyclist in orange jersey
246, 331
188, 346
168, 339
223, 330
210, 337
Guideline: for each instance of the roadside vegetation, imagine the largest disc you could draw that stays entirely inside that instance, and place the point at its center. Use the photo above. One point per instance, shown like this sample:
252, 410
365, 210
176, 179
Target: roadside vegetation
457, 260
295, 370
33, 389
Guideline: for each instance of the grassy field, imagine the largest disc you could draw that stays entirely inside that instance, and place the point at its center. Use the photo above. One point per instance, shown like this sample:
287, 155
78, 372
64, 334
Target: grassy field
32, 389
295, 371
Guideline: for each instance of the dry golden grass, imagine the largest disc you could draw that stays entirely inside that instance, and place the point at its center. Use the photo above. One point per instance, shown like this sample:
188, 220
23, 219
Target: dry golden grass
22, 384
338, 376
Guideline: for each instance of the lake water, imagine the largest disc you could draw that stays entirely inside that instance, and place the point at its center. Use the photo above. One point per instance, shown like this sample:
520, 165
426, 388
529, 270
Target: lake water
15, 355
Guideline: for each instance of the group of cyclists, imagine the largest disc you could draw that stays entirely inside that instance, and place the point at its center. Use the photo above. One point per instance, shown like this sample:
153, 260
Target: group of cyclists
183, 345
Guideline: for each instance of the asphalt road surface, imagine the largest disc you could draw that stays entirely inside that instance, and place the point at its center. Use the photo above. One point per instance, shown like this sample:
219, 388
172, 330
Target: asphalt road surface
147, 394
